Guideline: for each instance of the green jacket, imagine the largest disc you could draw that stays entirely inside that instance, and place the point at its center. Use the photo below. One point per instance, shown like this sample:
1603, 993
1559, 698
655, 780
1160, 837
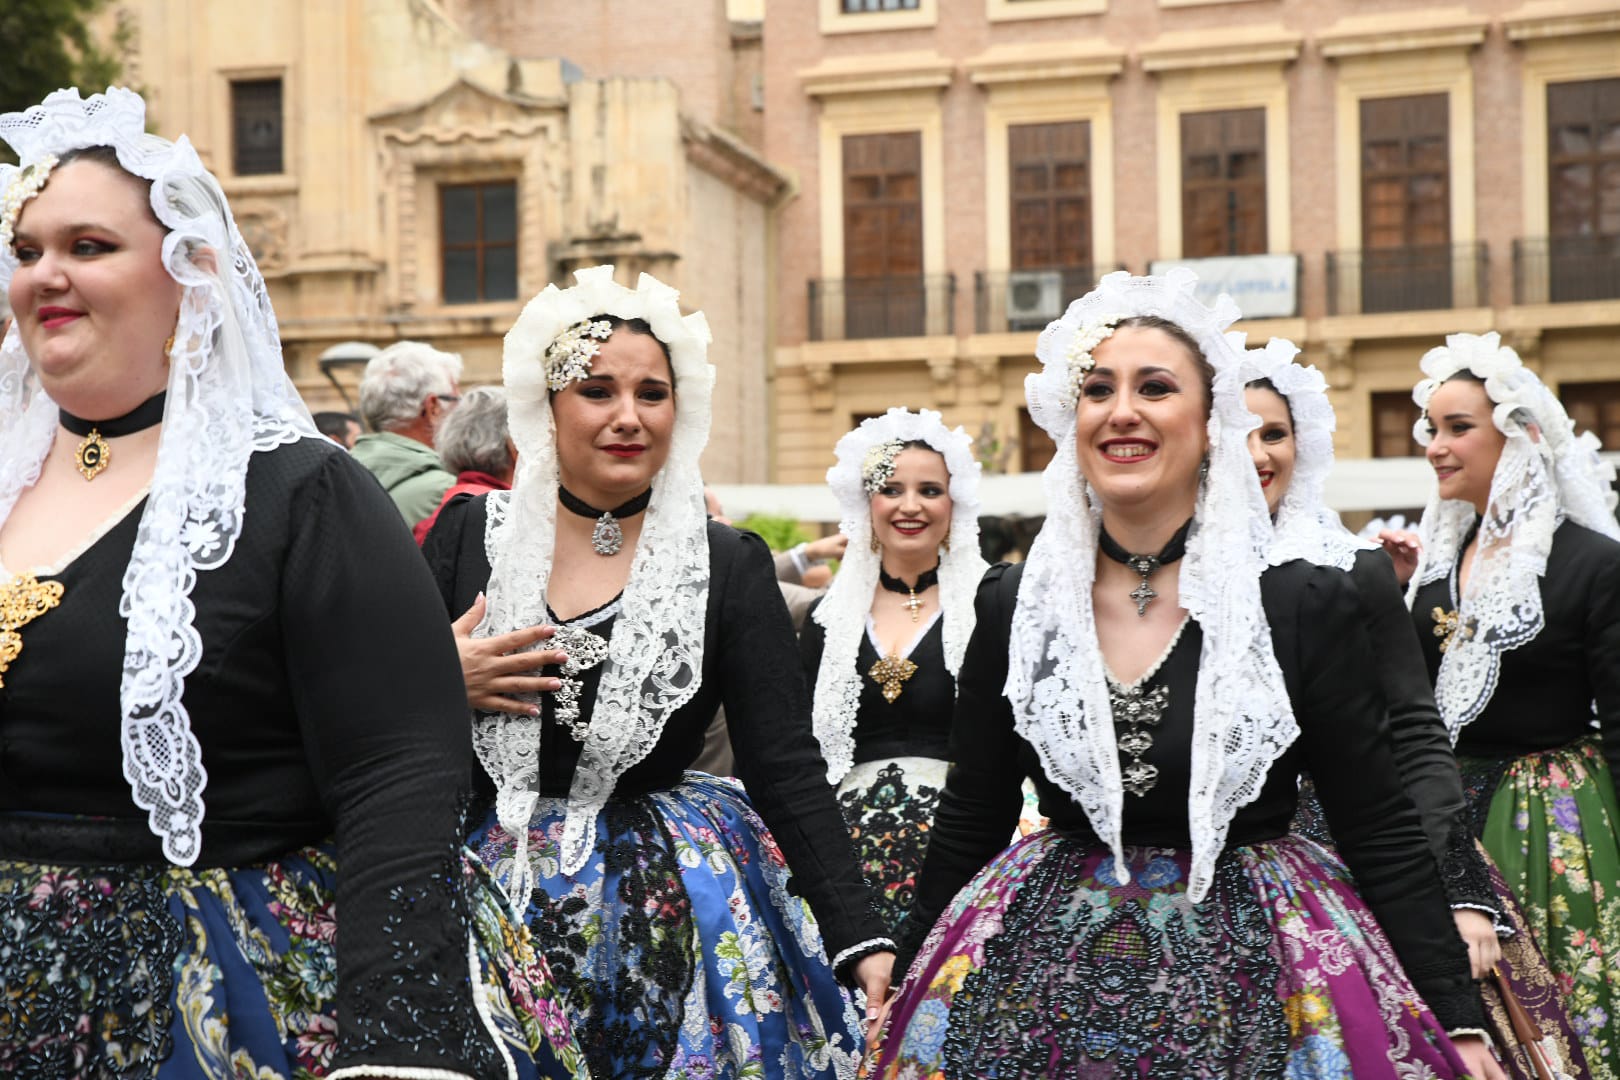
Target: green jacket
410, 472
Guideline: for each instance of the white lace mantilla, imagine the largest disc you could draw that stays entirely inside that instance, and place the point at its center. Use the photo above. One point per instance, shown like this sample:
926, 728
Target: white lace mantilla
228, 396
1056, 681
655, 657
1545, 474
843, 611
1304, 526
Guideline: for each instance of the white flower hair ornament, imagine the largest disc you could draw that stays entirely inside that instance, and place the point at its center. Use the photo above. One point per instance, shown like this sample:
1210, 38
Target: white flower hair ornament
863, 455
1305, 527
228, 397
655, 656
1546, 473
1056, 682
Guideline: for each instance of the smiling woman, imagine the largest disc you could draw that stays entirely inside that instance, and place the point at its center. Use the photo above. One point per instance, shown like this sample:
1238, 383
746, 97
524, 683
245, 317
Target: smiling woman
1167, 923
883, 647
207, 753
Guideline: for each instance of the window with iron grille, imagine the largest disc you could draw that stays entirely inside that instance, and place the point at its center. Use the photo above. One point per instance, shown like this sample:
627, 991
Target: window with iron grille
256, 127
478, 241
883, 240
1223, 183
1583, 189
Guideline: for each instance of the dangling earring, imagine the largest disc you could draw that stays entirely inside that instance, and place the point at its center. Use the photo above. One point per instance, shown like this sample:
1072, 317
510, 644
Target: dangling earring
876, 547
168, 347
945, 545
1203, 469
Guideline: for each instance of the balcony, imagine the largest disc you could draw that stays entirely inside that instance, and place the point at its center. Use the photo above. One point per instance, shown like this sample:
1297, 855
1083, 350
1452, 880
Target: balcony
913, 305
1566, 269
1015, 300
1421, 278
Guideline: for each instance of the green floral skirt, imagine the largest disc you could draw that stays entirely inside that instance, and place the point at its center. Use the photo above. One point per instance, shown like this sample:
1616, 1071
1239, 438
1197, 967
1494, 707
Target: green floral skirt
1552, 825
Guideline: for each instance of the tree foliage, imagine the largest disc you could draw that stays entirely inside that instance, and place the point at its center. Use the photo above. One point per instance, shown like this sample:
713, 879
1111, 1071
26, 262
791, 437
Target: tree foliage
50, 45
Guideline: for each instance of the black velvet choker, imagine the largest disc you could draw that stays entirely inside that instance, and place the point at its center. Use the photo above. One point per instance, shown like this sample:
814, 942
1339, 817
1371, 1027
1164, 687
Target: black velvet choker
925, 581
93, 454
1145, 565
608, 537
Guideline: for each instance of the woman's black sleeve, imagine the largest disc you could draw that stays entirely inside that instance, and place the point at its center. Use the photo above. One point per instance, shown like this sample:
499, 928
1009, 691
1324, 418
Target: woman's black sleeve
1603, 657
1423, 752
1347, 747
979, 807
812, 641
779, 760
377, 689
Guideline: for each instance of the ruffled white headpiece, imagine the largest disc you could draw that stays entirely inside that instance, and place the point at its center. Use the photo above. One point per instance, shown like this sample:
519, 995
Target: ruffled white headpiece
844, 609
655, 656
1305, 527
1056, 682
1545, 474
228, 396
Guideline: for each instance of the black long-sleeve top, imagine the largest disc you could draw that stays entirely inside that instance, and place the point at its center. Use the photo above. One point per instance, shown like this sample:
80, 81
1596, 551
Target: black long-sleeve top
1547, 687
327, 700
1322, 648
1422, 748
751, 666
915, 724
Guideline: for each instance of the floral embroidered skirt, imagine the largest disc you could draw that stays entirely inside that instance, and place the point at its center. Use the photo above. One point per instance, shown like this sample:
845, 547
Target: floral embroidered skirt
1529, 977
1551, 824
140, 971
889, 806
1048, 965
678, 947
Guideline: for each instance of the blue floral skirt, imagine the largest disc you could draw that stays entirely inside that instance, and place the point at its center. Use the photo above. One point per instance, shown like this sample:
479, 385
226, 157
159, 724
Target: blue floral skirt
679, 950
140, 971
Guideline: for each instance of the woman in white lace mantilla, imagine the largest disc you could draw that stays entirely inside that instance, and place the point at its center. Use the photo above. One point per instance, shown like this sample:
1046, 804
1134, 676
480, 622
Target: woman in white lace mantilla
1163, 688
1516, 598
206, 751
882, 648
660, 894
1292, 450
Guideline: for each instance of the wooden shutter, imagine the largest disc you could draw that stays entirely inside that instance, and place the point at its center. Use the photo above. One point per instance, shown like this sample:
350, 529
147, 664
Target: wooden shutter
1594, 407
1583, 158
1049, 172
1405, 172
1223, 183
882, 204
1394, 412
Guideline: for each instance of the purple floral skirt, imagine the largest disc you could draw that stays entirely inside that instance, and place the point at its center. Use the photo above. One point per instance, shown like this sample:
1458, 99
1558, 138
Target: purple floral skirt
1046, 964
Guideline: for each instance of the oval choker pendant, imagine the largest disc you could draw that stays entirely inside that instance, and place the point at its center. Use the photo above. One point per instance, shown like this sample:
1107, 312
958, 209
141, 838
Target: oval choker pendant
92, 455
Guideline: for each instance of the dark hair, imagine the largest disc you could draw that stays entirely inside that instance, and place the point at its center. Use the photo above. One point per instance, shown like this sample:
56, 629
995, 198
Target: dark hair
636, 326
1206, 370
1267, 384
335, 425
108, 157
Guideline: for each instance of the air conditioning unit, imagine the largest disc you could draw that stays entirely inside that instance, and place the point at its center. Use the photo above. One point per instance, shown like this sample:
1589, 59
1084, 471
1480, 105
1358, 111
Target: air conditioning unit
1034, 296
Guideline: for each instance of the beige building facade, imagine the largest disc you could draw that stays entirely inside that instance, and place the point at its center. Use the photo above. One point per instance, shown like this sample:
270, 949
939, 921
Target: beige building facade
1375, 174
418, 169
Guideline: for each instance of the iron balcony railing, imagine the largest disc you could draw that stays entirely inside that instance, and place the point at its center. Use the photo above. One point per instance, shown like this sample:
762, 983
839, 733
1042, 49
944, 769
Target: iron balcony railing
1016, 300
1421, 278
913, 305
1566, 269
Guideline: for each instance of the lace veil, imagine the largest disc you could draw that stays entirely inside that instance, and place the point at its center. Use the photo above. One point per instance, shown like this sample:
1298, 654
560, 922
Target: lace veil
655, 656
1305, 527
228, 396
1546, 473
1056, 682
844, 609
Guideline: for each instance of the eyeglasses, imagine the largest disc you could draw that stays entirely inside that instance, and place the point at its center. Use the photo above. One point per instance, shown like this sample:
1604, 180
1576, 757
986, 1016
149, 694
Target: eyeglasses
448, 399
